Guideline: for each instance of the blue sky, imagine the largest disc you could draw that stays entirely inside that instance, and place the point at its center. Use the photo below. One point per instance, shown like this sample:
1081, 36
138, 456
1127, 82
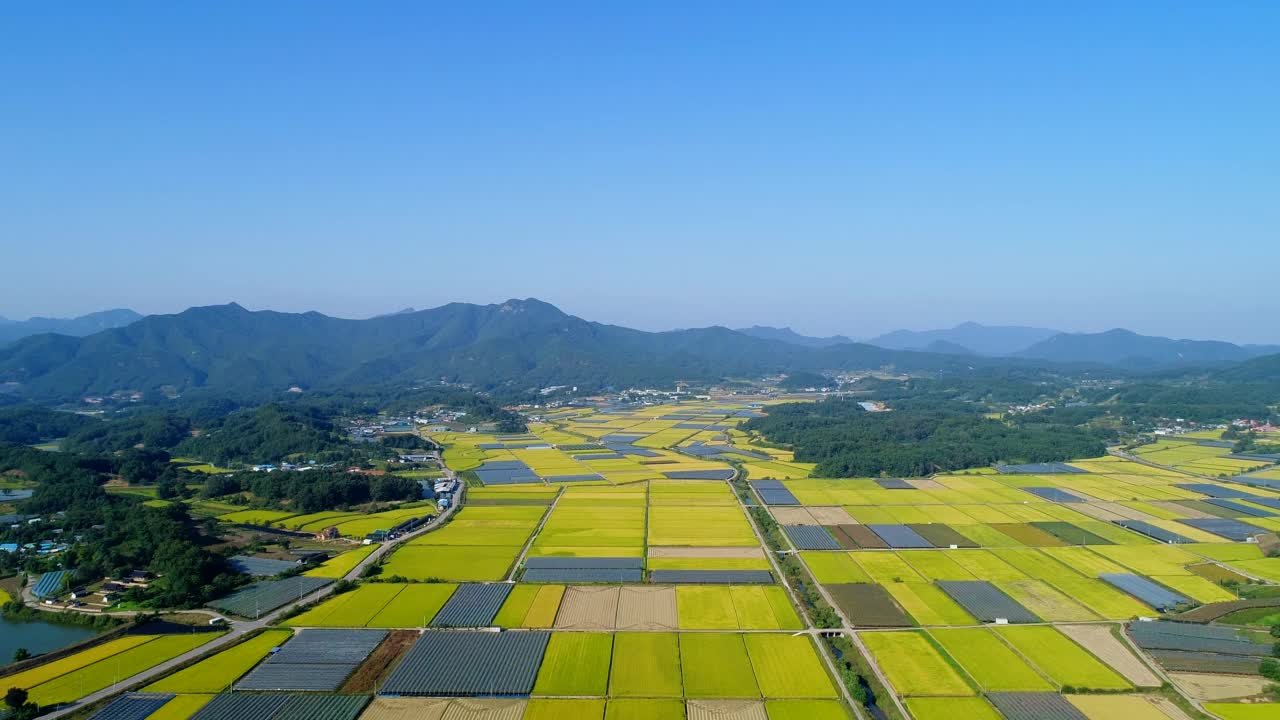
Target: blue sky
841, 167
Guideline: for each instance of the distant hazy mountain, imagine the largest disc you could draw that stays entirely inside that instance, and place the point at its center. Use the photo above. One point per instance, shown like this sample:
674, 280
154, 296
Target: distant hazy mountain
519, 344
11, 330
787, 335
994, 340
1124, 348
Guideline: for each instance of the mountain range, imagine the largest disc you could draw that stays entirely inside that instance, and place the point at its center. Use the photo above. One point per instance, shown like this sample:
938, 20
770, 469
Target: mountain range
518, 344
1116, 348
992, 340
787, 335
11, 330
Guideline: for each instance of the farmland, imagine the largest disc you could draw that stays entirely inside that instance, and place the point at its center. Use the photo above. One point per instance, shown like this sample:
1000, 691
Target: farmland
633, 583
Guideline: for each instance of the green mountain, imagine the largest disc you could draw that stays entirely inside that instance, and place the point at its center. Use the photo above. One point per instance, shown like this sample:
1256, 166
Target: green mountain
518, 344
1123, 348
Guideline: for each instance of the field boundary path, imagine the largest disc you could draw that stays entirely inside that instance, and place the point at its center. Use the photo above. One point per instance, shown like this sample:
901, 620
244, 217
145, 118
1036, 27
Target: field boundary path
241, 628
810, 630
528, 544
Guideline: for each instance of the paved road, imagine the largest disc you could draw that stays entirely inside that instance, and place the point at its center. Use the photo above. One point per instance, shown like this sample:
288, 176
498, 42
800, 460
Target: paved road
240, 628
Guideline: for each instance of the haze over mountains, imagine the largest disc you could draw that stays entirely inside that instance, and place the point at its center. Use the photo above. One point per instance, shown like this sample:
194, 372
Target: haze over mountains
521, 344
11, 330
1116, 348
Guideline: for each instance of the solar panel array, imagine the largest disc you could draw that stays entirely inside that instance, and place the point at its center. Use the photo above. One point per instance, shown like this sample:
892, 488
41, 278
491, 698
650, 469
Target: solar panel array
712, 577
50, 584
236, 706
1054, 468
260, 567
314, 660
585, 477
307, 677
1155, 533
773, 492
899, 536
1224, 527
894, 484
1035, 706
260, 598
1215, 491
1205, 662
582, 575
1151, 593
282, 706
469, 663
1240, 508
133, 706
472, 605
1258, 481
1165, 635
810, 537
506, 472
986, 602
322, 707
1054, 494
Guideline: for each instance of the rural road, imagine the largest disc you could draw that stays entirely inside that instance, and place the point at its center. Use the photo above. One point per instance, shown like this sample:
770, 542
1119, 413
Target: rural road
240, 628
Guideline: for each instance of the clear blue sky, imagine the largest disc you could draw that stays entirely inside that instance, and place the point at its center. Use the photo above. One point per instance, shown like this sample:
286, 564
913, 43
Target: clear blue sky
838, 167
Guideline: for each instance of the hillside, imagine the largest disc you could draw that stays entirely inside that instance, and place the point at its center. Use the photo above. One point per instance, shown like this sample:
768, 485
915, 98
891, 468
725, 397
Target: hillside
1265, 369
518, 344
11, 330
1123, 348
993, 340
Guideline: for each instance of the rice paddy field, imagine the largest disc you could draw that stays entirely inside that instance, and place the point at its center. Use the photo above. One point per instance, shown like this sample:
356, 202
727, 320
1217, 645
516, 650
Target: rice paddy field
607, 543
95, 668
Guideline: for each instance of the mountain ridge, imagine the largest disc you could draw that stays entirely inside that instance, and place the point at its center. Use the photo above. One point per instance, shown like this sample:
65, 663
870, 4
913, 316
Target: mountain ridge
1126, 349
14, 330
787, 335
517, 343
989, 340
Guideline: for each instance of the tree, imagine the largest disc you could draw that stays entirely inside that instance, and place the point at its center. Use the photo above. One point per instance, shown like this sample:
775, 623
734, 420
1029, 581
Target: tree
21, 654
15, 698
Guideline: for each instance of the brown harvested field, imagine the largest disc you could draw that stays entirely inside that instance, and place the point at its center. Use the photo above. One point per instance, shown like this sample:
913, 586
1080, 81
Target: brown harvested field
1183, 510
793, 516
383, 708
845, 541
1269, 543
1098, 640
1096, 512
868, 605
726, 710
1216, 573
942, 535
717, 553
832, 516
862, 536
926, 484
643, 607
588, 608
1203, 686
1028, 535
485, 709
1125, 512
380, 662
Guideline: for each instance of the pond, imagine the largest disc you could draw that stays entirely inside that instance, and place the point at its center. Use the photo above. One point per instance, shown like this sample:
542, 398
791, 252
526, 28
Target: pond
38, 636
